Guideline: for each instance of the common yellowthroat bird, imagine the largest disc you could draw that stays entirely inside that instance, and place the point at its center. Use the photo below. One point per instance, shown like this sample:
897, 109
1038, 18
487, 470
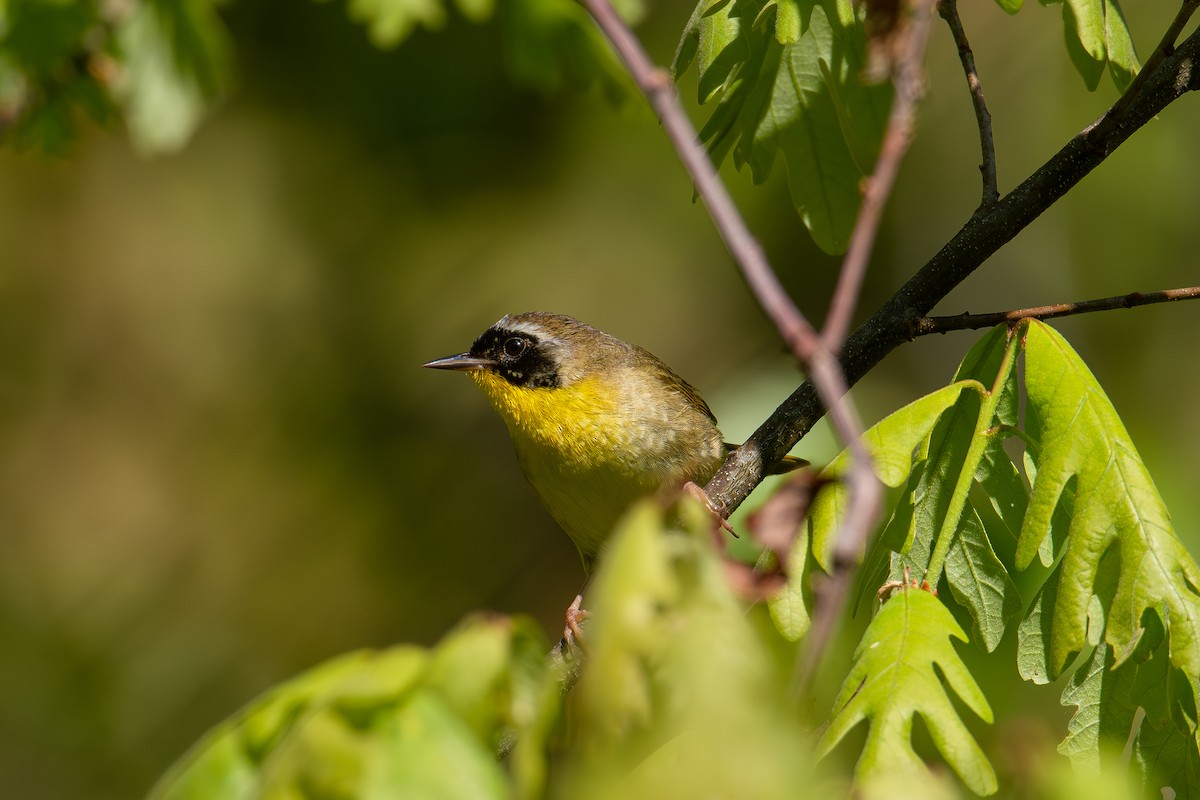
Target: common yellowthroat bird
596, 422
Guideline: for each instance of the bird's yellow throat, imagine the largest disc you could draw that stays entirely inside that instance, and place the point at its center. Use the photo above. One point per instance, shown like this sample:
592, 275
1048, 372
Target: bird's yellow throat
579, 422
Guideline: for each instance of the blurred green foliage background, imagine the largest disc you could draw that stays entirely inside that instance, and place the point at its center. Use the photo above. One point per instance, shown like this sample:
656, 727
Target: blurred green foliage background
219, 462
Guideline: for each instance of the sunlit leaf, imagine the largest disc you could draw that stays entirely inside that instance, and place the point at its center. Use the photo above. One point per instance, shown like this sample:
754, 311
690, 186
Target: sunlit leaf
1086, 20
1000, 500
891, 443
1123, 63
1096, 35
1089, 66
680, 695
980, 583
884, 559
720, 45
895, 676
390, 22
428, 750
633, 590
1080, 436
788, 24
790, 607
961, 451
398, 722
952, 460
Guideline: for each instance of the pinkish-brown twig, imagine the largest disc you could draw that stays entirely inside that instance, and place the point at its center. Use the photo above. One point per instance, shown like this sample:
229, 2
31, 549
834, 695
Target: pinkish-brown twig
862, 511
923, 326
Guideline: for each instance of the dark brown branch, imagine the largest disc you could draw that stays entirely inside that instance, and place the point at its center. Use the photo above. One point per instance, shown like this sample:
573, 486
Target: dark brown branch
923, 326
984, 233
948, 9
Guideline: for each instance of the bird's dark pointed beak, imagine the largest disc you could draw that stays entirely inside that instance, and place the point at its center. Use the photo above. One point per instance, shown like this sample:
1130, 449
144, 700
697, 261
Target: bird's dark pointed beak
463, 362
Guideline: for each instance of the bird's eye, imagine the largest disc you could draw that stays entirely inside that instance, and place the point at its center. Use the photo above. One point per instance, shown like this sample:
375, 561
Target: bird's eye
514, 347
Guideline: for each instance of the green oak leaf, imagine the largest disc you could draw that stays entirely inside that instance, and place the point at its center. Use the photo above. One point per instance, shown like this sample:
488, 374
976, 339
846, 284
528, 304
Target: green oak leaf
892, 443
906, 665
789, 78
1080, 440
980, 583
674, 667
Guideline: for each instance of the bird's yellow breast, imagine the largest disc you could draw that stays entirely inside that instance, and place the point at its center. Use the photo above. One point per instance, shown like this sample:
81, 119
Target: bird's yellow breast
591, 448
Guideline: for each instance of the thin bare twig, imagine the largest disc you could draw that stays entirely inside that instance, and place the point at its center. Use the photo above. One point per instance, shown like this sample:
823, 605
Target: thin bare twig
866, 493
922, 326
948, 9
910, 85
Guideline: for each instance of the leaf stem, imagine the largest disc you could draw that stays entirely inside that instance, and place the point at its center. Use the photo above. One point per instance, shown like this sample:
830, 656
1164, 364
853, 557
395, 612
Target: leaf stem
966, 476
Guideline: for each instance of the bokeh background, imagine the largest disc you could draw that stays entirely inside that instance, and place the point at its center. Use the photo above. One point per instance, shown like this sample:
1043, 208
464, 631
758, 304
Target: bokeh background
219, 462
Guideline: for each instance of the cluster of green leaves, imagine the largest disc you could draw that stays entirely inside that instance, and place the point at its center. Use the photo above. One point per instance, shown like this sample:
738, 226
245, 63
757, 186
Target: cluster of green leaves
1108, 599
368, 723
158, 66
1065, 546
676, 675
155, 64
790, 79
